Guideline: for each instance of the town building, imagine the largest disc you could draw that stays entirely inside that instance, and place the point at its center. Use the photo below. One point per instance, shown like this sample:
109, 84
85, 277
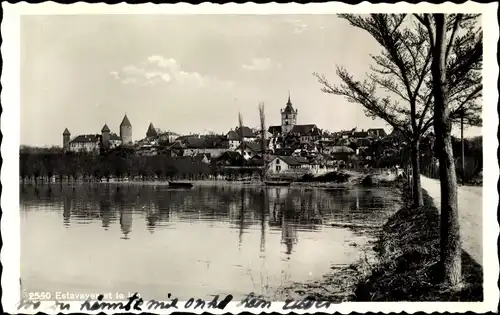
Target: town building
379, 132
109, 140
306, 133
282, 164
94, 142
341, 153
234, 137
291, 135
212, 145
114, 140
249, 149
168, 136
85, 143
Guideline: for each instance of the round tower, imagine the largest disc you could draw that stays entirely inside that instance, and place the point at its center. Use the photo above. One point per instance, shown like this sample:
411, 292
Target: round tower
105, 139
288, 117
66, 139
126, 131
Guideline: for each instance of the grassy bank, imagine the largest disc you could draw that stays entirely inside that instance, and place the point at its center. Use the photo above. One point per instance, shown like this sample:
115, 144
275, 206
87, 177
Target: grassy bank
400, 263
407, 269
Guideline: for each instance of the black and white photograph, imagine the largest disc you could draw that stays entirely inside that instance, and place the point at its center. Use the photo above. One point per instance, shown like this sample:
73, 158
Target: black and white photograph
264, 161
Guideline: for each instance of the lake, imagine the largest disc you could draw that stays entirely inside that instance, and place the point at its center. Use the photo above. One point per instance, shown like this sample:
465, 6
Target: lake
197, 242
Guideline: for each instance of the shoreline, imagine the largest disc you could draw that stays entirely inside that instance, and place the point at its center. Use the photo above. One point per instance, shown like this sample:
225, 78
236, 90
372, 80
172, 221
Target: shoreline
340, 283
400, 264
355, 179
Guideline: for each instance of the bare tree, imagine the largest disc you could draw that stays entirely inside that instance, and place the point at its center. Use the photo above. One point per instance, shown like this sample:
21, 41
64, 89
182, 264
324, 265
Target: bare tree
456, 46
241, 135
402, 71
262, 116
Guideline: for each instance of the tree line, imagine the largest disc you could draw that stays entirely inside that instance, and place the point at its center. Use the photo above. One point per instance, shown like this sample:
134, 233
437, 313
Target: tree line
41, 165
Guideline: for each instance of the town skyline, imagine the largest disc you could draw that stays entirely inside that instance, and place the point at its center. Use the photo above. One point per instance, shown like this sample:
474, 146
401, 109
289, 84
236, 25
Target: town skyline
195, 77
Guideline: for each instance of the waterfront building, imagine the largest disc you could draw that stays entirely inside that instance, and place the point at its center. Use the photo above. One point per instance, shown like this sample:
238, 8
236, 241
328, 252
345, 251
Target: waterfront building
85, 143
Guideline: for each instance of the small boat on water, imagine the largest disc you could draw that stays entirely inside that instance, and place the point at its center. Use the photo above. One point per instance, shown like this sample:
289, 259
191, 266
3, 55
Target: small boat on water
180, 185
277, 183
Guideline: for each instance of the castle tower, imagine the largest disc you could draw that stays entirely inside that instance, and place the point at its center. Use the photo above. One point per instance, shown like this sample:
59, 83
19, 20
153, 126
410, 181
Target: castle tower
66, 139
105, 136
151, 133
126, 131
288, 116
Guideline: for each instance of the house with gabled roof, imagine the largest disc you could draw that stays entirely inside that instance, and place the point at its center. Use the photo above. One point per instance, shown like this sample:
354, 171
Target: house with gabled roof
250, 149
233, 137
230, 158
207, 144
283, 164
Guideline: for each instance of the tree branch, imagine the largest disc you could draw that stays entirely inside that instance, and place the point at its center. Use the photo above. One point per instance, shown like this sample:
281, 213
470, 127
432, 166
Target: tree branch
456, 23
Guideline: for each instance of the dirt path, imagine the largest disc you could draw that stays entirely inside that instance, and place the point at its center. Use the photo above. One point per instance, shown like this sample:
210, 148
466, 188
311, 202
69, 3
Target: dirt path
470, 206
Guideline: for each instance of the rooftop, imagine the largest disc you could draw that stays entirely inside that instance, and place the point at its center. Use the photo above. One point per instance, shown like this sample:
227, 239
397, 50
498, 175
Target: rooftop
293, 160
105, 128
310, 129
151, 132
125, 122
86, 139
234, 134
289, 107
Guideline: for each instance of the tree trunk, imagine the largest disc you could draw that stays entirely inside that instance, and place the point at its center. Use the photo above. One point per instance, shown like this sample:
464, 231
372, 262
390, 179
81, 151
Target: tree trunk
418, 198
450, 228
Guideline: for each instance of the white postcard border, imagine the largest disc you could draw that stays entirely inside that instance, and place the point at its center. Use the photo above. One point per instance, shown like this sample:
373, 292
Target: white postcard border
10, 127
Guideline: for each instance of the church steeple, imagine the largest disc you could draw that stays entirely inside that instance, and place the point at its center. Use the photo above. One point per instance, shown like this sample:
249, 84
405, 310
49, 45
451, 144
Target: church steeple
289, 107
288, 116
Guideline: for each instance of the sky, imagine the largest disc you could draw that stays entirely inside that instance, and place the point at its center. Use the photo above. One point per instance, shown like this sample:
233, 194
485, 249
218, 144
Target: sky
185, 73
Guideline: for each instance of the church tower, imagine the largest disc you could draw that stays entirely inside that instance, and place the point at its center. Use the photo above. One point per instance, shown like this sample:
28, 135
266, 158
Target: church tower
288, 116
66, 139
126, 131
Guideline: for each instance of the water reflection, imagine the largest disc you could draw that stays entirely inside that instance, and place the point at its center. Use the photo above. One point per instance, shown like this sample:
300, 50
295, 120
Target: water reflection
255, 235
278, 207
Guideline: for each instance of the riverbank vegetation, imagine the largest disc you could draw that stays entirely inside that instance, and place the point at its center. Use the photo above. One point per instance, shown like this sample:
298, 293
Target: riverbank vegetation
401, 262
407, 264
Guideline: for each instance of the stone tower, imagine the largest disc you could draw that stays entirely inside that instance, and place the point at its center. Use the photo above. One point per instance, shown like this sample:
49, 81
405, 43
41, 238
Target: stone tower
66, 139
288, 117
151, 132
105, 137
126, 131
